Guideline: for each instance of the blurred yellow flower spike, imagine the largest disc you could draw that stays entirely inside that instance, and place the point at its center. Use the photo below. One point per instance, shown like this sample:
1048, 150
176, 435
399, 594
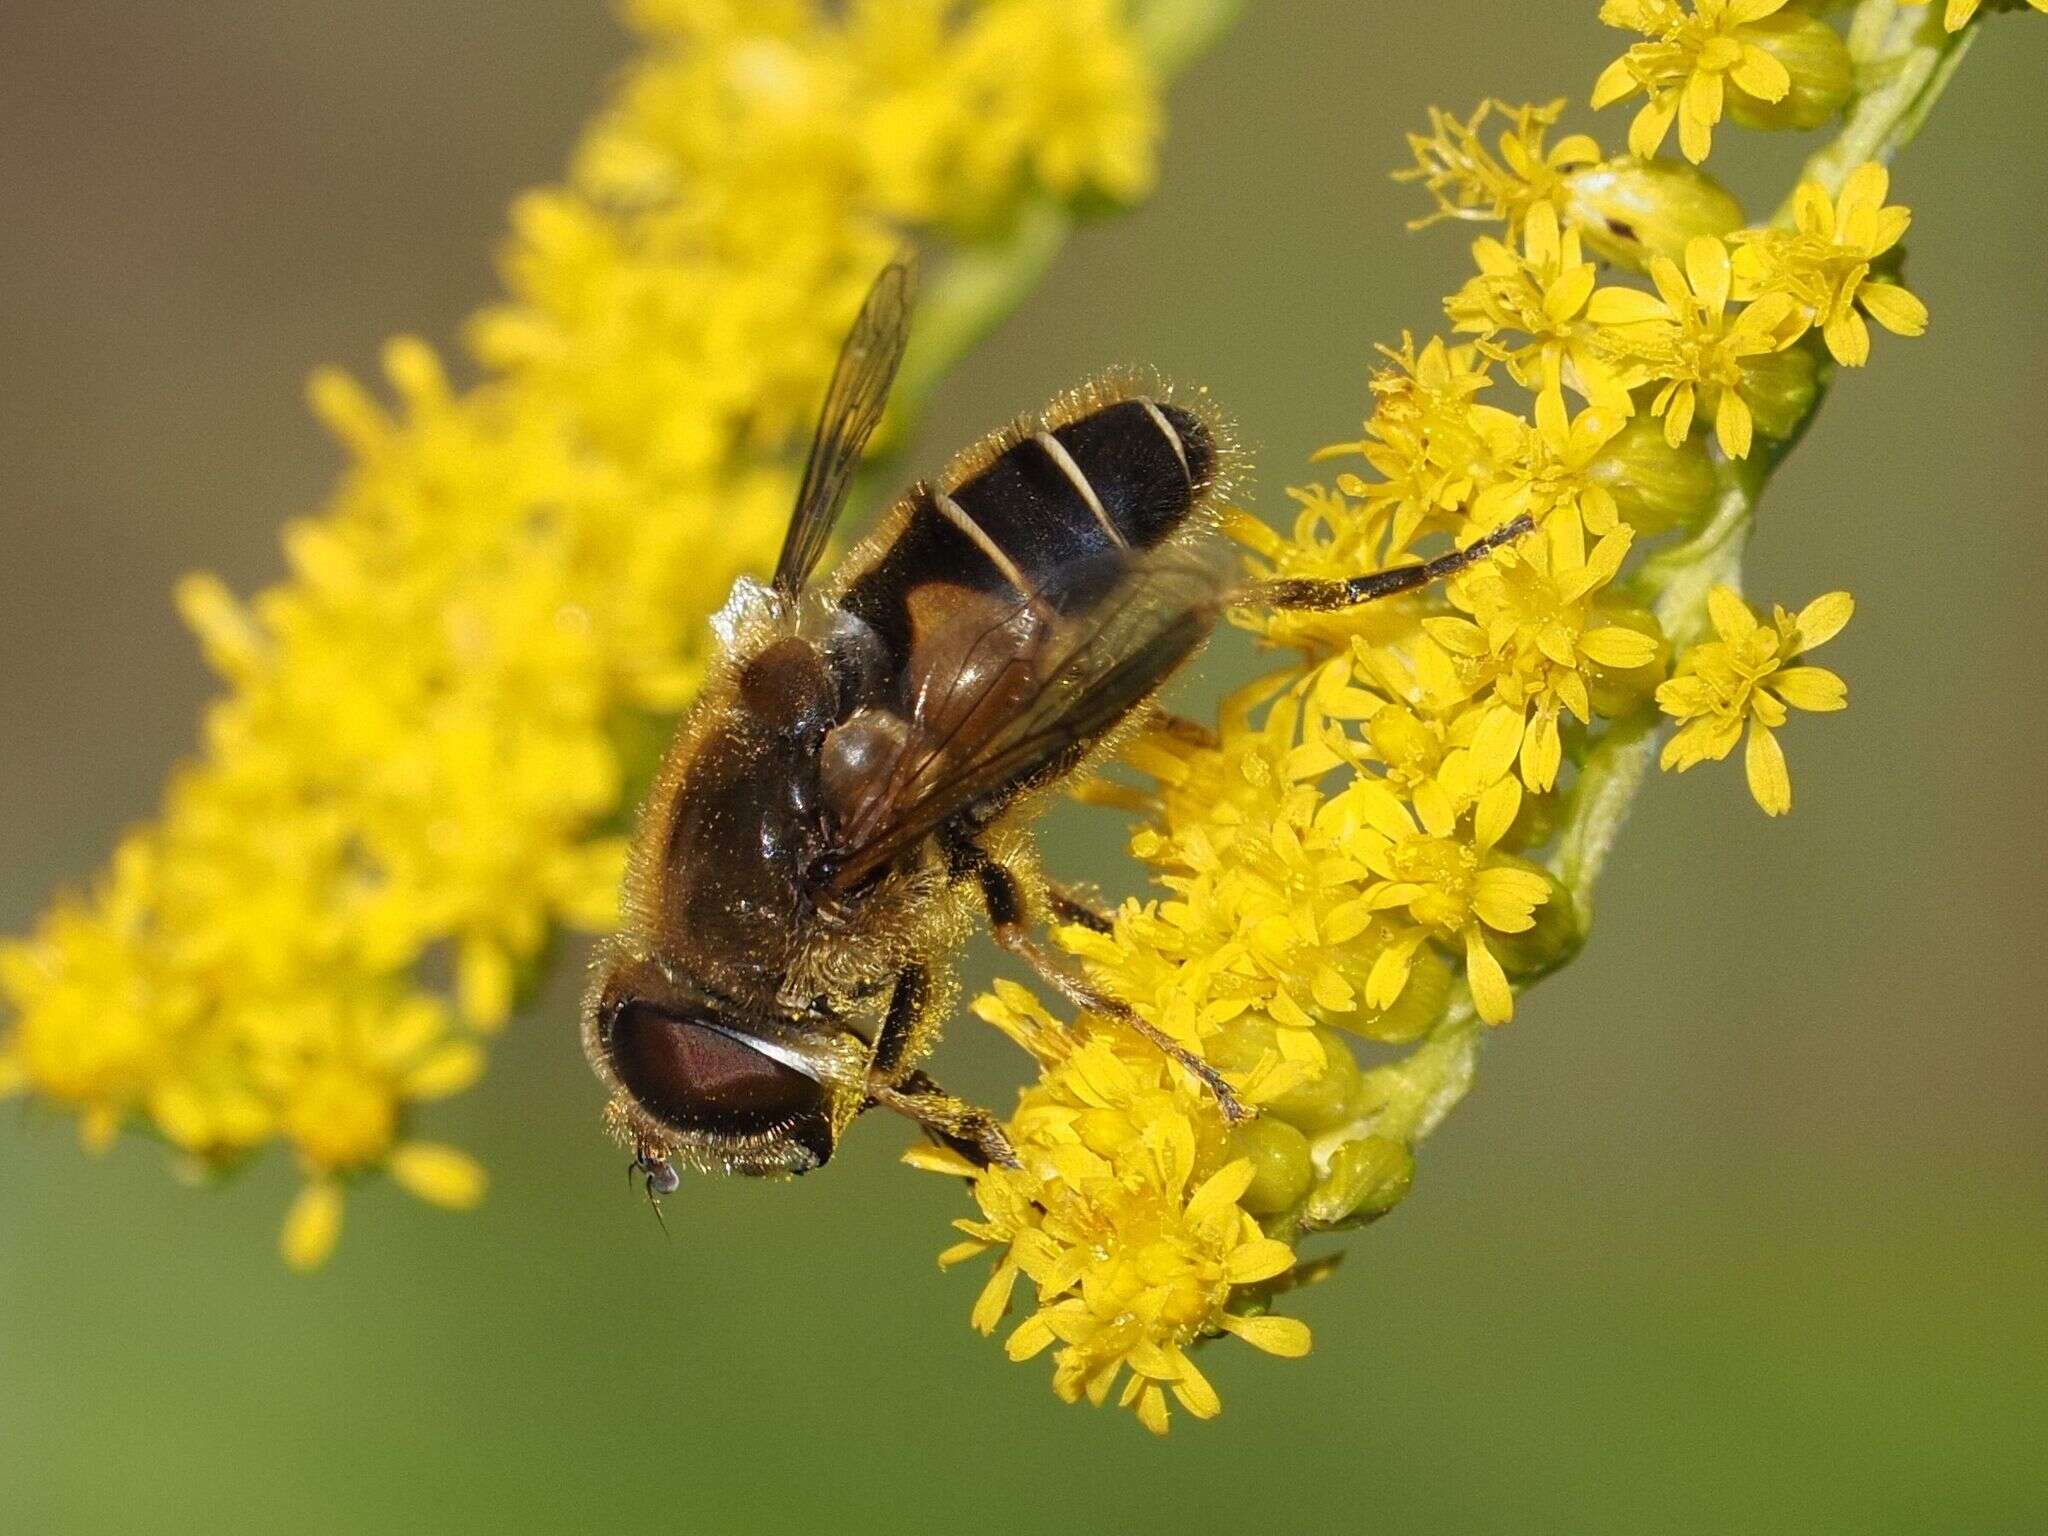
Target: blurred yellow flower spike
430, 730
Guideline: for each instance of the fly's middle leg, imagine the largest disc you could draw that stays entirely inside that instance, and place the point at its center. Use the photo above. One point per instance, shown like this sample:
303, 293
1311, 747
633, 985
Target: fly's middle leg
1349, 593
1004, 900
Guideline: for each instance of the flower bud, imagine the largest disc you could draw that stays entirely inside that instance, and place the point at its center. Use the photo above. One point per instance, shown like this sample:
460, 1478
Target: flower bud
1631, 210
1367, 1179
1622, 691
1535, 823
1320, 1103
1817, 59
1313, 1106
1420, 1004
1282, 1169
1555, 938
1781, 388
1656, 486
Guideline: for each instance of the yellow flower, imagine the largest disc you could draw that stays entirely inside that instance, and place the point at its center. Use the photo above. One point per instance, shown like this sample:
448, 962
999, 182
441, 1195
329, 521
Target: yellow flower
1686, 67
1824, 263
1956, 14
1469, 181
1685, 337
1533, 634
1451, 888
1545, 469
1748, 677
1124, 1215
1540, 293
1421, 440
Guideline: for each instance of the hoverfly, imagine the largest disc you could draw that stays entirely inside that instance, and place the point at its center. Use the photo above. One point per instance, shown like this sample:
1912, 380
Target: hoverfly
853, 786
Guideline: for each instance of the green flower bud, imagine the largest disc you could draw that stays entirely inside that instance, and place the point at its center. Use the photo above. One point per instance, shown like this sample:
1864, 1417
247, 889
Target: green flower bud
1282, 1169
1313, 1106
1817, 59
1555, 938
1657, 487
1535, 823
1367, 1179
1241, 1044
1420, 1004
1781, 388
1630, 210
1623, 691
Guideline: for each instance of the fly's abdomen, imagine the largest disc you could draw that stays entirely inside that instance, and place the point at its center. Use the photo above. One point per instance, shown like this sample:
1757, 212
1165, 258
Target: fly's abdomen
1053, 518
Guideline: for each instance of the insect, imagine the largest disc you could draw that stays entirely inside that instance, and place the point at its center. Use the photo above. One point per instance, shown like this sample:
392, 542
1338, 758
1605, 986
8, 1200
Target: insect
853, 787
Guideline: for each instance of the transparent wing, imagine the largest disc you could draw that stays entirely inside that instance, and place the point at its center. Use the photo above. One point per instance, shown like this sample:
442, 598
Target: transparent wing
1021, 694
853, 404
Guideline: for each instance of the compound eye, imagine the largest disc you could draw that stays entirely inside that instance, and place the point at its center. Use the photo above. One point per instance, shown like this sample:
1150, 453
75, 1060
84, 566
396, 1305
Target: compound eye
700, 1077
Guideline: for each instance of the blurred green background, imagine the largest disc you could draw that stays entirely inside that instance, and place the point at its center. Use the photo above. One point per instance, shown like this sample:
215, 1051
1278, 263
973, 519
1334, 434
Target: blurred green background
1745, 1227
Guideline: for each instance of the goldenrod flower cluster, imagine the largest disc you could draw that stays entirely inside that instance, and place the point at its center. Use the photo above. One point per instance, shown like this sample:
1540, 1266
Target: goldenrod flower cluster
1391, 834
432, 729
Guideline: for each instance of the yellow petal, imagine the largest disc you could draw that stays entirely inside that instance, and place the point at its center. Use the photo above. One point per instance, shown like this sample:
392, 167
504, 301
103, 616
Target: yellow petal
449, 1070
1489, 983
1542, 752
1733, 424
1389, 975
312, 1226
1151, 1408
1678, 414
1731, 616
1811, 688
1708, 739
1760, 75
1618, 647
1893, 308
1496, 812
1617, 82
1647, 132
1221, 1189
1707, 269
1625, 306
1770, 782
1848, 338
439, 1175
1822, 619
994, 1299
1287, 1337
1260, 1260
1194, 1391
1030, 1338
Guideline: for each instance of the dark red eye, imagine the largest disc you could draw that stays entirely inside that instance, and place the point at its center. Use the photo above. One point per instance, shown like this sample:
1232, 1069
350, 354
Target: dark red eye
704, 1079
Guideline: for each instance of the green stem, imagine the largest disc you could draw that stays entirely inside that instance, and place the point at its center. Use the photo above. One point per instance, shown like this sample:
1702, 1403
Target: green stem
1904, 62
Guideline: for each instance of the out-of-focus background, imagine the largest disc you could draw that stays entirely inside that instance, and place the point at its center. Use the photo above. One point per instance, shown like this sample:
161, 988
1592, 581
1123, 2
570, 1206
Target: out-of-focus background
1745, 1227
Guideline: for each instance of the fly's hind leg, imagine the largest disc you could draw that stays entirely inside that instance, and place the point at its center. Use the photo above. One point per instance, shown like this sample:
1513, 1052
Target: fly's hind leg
1307, 593
1003, 898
